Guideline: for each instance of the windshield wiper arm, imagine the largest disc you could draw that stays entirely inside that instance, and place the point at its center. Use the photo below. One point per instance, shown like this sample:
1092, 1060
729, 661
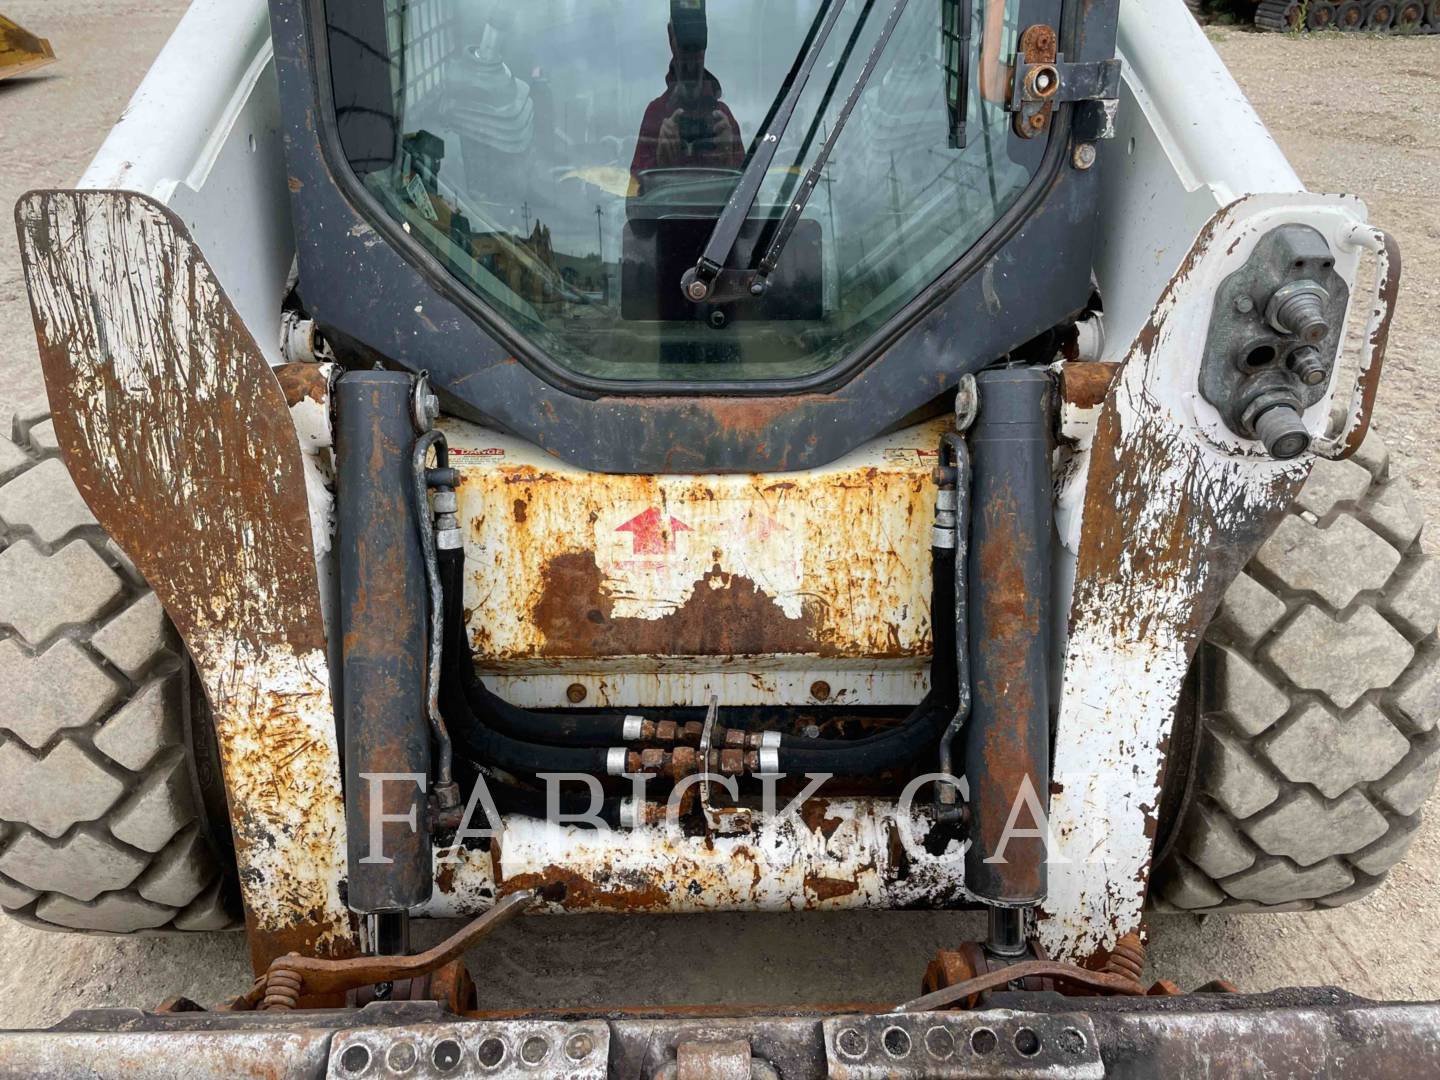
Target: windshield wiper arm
699, 282
700, 279
796, 206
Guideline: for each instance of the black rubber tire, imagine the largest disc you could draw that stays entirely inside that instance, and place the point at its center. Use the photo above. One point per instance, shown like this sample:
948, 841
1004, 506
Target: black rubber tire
1282, 16
1320, 15
1380, 16
1313, 741
1350, 16
1409, 16
106, 799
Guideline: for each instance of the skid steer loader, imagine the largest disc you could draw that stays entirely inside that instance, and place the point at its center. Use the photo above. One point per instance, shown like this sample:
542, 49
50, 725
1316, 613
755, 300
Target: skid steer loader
668, 456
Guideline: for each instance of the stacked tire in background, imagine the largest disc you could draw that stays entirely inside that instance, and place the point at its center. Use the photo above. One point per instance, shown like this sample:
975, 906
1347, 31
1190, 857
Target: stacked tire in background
1348, 16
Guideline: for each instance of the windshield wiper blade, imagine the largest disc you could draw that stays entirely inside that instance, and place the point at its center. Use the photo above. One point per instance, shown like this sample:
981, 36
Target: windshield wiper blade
700, 279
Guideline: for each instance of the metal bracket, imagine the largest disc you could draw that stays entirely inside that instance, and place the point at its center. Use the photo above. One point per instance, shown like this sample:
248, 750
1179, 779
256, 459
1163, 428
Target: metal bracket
960, 1046
1042, 79
719, 820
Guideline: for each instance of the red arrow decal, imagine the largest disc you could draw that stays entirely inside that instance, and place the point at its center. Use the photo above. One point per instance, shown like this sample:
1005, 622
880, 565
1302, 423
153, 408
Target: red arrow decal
652, 533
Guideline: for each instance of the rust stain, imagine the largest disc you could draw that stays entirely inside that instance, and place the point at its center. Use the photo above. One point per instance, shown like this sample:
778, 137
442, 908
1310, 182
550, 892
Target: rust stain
826, 888
832, 563
1369, 383
1013, 613
617, 892
1085, 384
726, 615
299, 382
817, 817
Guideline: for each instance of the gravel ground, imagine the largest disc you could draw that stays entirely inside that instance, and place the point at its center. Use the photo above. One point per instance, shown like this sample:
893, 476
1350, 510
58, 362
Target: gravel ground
1372, 132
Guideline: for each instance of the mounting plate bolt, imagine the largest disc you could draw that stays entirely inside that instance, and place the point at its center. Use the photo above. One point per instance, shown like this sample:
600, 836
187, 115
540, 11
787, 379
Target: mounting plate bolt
1084, 156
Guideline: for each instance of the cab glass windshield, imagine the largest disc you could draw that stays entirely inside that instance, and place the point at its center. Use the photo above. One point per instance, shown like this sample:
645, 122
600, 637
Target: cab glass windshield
566, 161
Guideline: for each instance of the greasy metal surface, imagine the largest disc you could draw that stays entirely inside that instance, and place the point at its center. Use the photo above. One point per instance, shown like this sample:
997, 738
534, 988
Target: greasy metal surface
21, 51
586, 572
179, 439
383, 643
1168, 522
830, 854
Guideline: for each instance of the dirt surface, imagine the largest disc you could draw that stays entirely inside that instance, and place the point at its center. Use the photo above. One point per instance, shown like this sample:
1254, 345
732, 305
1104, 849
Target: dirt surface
1373, 132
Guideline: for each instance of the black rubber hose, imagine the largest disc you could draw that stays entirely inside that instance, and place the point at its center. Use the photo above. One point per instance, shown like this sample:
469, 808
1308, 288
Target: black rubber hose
563, 729
526, 802
511, 746
480, 741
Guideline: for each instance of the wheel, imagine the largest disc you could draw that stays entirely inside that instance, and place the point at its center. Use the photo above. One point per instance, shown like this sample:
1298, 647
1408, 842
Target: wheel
107, 797
1320, 15
1311, 743
1409, 16
1350, 15
1380, 15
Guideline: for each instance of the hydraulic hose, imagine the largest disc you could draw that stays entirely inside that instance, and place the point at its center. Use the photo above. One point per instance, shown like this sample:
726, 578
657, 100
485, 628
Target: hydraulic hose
526, 802
468, 730
561, 729
925, 724
492, 730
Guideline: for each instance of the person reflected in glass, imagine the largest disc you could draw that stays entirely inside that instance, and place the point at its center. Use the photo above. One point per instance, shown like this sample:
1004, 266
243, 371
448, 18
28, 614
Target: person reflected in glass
688, 126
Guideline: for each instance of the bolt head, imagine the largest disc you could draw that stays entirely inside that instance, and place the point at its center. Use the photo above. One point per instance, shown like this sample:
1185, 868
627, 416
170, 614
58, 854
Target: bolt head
1244, 304
1084, 156
697, 290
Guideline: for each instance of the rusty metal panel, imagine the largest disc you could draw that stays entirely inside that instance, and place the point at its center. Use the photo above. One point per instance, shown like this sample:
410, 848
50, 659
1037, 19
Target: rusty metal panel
579, 572
178, 437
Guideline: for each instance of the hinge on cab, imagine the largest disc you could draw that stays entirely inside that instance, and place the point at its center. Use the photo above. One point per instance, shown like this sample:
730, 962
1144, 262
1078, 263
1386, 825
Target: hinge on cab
1043, 80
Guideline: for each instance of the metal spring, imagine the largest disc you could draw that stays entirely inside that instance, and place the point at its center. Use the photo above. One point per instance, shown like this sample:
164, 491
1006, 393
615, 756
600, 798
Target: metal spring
282, 991
1127, 958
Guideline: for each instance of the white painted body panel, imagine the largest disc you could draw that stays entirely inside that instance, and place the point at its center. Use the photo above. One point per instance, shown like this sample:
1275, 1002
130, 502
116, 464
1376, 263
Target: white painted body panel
1188, 145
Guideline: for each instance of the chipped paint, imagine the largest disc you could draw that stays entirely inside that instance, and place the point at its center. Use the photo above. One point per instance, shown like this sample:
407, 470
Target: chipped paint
573, 571
840, 853
179, 439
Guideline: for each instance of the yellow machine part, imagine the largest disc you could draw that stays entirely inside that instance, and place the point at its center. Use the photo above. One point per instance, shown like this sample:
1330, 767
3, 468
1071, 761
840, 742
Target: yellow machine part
21, 51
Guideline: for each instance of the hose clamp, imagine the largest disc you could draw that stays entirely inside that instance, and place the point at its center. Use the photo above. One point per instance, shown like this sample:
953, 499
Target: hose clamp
769, 739
632, 728
769, 760
615, 760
